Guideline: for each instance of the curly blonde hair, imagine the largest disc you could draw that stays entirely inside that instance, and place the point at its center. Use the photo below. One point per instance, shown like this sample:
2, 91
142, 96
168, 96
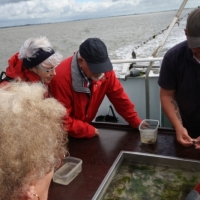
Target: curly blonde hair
32, 137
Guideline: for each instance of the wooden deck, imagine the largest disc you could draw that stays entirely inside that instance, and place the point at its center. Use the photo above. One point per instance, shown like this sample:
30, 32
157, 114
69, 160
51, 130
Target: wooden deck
99, 153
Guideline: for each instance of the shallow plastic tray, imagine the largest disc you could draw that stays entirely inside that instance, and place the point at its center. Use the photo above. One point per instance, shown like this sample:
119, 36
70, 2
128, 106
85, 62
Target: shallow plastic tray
70, 169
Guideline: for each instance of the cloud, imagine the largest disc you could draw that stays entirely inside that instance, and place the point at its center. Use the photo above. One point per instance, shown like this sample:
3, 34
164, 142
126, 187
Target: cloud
11, 1
57, 9
43, 11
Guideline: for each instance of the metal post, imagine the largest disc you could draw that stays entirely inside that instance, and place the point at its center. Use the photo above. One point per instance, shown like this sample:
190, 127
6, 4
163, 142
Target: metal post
155, 53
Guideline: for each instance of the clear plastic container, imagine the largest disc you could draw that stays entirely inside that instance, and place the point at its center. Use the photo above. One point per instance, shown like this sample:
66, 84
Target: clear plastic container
148, 131
70, 169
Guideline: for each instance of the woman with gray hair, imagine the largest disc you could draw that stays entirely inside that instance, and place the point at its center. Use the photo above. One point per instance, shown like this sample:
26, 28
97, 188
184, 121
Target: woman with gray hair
32, 141
35, 61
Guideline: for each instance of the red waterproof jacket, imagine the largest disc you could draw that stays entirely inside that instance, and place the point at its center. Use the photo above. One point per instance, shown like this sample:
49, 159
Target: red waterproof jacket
67, 87
15, 70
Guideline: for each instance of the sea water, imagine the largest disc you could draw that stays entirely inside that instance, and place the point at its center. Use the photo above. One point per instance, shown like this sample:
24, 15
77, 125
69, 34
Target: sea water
121, 34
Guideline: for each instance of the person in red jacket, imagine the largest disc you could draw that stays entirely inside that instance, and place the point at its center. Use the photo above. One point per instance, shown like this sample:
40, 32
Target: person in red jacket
81, 83
35, 62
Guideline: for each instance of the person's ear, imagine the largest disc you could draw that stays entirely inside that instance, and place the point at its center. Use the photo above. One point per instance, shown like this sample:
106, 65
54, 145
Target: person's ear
80, 61
29, 193
186, 33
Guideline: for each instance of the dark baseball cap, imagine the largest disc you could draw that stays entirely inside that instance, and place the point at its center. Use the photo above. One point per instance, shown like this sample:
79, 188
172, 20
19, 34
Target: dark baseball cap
94, 52
193, 29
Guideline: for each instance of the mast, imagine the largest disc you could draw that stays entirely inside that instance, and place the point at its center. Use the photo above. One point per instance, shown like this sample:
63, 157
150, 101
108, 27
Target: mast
155, 53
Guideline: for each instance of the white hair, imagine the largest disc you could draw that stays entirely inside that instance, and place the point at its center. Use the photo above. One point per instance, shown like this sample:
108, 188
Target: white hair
32, 45
53, 60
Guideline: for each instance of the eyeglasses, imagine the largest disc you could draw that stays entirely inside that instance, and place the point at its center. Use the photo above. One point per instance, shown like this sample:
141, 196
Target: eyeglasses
47, 70
60, 161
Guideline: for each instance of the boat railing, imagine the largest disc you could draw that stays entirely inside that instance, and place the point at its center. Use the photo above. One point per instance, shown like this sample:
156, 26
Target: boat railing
125, 69
149, 59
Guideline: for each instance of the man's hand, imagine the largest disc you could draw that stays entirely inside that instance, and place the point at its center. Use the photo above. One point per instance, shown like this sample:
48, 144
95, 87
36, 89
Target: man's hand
144, 125
183, 138
96, 133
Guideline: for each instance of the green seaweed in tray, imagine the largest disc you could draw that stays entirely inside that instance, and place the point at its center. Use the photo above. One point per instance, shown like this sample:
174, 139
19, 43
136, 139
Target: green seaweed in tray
149, 182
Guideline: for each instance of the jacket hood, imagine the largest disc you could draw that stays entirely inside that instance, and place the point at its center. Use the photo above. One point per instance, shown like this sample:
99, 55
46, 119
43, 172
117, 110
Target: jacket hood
14, 66
15, 69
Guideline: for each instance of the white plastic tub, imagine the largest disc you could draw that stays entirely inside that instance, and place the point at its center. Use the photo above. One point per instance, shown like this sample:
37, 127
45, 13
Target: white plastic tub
70, 169
148, 133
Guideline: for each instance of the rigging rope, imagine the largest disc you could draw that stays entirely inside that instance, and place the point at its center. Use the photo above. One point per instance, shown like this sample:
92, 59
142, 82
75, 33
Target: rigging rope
162, 31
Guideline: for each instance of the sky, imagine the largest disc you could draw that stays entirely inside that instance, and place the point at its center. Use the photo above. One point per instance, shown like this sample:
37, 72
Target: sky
22, 12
